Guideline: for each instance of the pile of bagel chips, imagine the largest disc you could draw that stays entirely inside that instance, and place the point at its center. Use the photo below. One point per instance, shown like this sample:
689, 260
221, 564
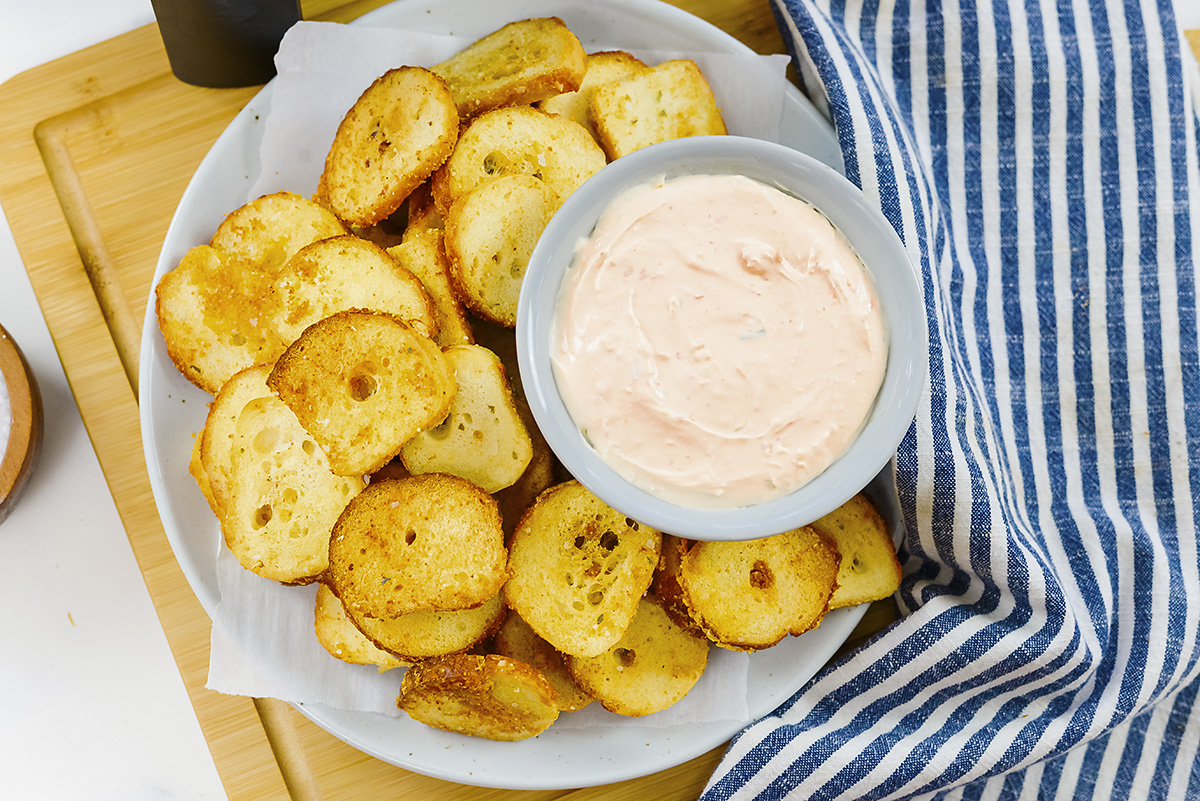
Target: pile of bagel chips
368, 432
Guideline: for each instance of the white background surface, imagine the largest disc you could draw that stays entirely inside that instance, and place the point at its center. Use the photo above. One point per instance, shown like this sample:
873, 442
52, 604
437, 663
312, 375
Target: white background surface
92, 707
91, 703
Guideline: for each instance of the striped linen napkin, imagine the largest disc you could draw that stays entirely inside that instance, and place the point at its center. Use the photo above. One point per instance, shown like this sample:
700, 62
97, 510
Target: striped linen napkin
1039, 159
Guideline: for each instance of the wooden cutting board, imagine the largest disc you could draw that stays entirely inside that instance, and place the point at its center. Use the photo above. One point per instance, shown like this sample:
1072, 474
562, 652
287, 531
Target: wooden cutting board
97, 149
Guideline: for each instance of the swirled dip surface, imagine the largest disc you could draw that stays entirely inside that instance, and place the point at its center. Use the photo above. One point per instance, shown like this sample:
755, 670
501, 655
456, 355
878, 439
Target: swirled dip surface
718, 342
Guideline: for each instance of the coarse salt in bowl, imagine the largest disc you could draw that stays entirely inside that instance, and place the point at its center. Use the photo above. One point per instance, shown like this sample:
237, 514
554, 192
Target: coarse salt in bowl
5, 417
869, 235
20, 423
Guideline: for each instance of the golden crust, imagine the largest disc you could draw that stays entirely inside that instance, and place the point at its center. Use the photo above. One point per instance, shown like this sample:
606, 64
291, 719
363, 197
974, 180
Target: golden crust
270, 230
209, 308
517, 140
577, 569
490, 234
430, 542
603, 67
423, 634
522, 62
869, 569
482, 437
424, 255
750, 595
518, 641
216, 441
487, 696
338, 635
666, 586
401, 129
196, 470
284, 499
502, 341
669, 101
652, 666
363, 383
348, 272
539, 475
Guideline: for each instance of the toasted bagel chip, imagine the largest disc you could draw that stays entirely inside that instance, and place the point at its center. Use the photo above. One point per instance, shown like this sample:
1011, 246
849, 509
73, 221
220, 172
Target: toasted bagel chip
216, 308
338, 635
270, 230
424, 255
750, 595
539, 476
652, 666
577, 569
483, 438
669, 101
869, 568
603, 67
517, 140
363, 383
430, 542
216, 442
207, 309
666, 586
502, 341
196, 470
422, 634
479, 695
346, 272
522, 62
490, 234
284, 499
518, 641
402, 127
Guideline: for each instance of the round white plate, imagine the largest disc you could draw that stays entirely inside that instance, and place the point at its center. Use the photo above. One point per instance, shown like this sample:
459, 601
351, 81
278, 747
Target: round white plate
172, 409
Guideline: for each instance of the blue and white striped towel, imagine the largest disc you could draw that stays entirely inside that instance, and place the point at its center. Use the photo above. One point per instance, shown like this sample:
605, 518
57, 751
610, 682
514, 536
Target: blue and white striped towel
1039, 159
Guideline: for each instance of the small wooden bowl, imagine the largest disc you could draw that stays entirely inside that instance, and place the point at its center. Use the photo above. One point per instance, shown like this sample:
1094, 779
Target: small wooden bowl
25, 435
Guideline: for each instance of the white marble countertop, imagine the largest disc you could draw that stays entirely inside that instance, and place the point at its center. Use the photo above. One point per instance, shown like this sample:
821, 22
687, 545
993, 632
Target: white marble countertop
91, 703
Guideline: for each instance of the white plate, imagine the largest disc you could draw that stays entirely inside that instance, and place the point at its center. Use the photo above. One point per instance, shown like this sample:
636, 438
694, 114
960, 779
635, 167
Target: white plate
172, 409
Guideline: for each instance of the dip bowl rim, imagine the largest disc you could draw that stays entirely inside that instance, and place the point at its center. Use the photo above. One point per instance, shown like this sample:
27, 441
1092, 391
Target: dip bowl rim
870, 235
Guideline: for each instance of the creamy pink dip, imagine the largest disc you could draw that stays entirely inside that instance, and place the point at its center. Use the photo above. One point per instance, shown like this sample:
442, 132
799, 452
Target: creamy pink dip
719, 343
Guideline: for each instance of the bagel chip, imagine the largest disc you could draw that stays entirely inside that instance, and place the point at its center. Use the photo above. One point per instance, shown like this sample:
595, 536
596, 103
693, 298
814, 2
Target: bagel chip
431, 542
483, 438
869, 569
669, 101
578, 568
652, 666
422, 634
479, 695
401, 129
749, 595
603, 67
518, 641
517, 140
217, 308
363, 384
522, 62
284, 499
338, 635
490, 234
